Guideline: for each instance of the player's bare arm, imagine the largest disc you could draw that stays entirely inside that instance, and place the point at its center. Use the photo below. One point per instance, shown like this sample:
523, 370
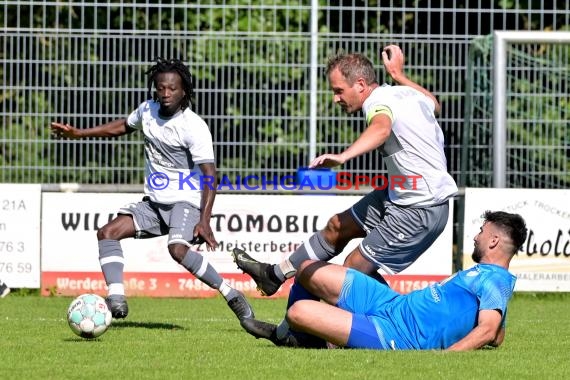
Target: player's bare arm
485, 333
393, 59
373, 136
203, 228
499, 338
112, 129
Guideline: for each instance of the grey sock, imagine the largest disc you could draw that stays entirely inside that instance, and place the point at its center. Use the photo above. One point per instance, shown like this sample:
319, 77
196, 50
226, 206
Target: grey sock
111, 260
199, 267
316, 248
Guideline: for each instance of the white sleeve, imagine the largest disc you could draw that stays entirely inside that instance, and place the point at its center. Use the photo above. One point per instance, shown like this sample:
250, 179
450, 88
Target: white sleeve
200, 143
134, 120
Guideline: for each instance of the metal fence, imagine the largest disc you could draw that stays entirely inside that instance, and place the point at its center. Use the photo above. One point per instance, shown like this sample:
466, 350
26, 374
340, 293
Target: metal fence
517, 112
83, 63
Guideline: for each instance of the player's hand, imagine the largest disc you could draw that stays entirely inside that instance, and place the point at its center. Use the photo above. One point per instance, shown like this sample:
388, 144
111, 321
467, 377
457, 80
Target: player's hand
203, 233
64, 130
327, 161
393, 59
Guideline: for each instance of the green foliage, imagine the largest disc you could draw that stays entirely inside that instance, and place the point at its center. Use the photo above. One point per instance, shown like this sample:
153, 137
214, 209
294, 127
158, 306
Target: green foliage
22, 141
200, 338
254, 56
540, 118
257, 61
537, 113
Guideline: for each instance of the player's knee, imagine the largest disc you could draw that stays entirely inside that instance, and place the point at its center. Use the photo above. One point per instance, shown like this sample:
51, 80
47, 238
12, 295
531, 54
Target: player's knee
306, 272
106, 232
303, 267
341, 228
119, 228
177, 252
333, 225
297, 314
332, 231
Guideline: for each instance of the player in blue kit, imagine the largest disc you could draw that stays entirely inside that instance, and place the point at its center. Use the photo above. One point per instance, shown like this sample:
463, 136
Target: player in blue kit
177, 142
464, 312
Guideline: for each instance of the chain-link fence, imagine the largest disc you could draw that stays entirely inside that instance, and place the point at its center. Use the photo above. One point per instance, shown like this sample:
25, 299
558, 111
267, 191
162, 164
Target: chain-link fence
83, 63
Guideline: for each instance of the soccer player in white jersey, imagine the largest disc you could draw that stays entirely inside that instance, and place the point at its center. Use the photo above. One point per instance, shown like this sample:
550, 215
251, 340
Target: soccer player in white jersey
398, 223
177, 142
466, 311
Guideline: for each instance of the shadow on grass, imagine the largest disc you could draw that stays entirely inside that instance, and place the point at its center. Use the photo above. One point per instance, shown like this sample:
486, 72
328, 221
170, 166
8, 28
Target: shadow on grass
146, 325
76, 340
130, 324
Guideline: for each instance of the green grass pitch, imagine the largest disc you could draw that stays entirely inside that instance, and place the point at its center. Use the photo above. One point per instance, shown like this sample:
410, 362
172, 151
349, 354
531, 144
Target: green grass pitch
201, 339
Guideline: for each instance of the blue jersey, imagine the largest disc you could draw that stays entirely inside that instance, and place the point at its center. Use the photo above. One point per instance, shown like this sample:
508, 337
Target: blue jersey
443, 313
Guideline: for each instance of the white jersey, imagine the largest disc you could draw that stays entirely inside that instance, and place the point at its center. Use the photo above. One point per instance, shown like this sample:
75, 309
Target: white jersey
414, 150
174, 147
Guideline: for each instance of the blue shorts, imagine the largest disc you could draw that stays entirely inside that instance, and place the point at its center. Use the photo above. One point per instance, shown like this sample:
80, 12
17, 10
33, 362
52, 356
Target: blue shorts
368, 301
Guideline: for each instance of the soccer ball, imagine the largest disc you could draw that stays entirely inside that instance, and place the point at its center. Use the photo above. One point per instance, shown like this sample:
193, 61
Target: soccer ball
88, 316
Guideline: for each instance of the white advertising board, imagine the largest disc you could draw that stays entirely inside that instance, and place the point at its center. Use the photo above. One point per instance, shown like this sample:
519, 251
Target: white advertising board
543, 264
20, 235
269, 227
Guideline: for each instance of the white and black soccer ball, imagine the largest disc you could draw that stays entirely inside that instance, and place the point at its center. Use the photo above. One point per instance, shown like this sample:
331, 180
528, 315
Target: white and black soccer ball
88, 316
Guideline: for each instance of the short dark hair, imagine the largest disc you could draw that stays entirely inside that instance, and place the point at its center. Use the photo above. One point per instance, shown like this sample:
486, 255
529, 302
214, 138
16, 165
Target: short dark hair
352, 66
172, 66
512, 224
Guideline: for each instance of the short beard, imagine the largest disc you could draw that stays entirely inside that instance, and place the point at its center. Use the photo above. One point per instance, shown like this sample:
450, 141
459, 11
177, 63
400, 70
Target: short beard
476, 255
